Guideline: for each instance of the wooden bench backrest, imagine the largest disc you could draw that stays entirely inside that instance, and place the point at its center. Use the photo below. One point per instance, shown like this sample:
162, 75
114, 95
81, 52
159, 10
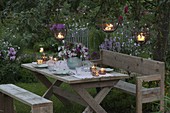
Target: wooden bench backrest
132, 63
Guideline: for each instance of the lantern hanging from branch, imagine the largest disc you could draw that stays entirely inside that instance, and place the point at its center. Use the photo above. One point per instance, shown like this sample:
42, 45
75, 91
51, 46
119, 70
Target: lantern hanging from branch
60, 31
142, 35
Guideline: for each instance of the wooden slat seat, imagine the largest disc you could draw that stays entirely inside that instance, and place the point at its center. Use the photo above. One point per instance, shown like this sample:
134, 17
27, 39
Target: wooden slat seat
131, 89
127, 87
8, 92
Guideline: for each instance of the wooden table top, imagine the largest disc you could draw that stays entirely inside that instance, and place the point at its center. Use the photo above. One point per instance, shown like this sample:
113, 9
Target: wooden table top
71, 79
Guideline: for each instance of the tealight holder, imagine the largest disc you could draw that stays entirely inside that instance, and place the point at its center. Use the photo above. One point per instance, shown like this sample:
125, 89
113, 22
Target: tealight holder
55, 59
39, 61
95, 73
44, 57
102, 71
93, 68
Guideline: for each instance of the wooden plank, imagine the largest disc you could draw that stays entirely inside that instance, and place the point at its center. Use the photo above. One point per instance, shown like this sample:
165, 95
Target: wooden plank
49, 91
43, 79
131, 63
139, 96
155, 90
1, 102
148, 78
151, 98
110, 83
22, 95
162, 87
127, 87
89, 99
48, 84
69, 95
98, 98
46, 108
8, 104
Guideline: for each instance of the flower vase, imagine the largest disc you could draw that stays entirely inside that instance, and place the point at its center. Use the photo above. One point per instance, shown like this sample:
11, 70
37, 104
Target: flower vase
74, 62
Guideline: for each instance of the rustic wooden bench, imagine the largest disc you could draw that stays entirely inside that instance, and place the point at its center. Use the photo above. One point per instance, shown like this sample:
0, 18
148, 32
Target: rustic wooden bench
147, 70
8, 92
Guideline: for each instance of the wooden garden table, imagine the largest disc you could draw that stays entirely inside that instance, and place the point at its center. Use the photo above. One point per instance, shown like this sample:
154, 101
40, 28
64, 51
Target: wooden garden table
80, 86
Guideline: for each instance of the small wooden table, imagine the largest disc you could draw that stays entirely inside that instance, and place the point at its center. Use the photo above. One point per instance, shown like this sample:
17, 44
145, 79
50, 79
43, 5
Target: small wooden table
79, 85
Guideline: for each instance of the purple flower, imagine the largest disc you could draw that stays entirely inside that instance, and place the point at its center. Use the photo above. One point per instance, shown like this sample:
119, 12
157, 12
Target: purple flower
12, 58
57, 27
12, 53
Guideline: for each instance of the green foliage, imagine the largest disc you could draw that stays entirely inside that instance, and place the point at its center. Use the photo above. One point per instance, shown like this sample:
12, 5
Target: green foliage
9, 72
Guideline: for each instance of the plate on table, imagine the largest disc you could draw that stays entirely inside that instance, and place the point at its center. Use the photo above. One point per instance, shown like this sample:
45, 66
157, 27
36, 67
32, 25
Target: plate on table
40, 65
108, 69
61, 72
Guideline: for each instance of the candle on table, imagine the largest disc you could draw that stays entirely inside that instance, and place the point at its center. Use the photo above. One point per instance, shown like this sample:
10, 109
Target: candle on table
39, 61
55, 59
102, 71
95, 73
93, 68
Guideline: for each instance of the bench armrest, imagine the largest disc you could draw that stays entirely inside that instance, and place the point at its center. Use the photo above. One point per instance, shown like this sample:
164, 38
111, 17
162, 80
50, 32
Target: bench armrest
148, 78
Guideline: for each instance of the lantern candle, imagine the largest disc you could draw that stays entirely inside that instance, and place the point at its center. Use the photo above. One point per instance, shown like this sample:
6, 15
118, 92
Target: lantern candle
109, 27
60, 36
102, 71
140, 37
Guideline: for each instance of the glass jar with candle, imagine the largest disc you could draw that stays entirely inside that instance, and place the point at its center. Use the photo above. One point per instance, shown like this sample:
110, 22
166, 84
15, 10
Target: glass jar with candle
51, 64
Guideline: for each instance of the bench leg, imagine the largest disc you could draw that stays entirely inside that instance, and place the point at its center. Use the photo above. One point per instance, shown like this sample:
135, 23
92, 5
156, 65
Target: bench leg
1, 103
45, 108
162, 106
6, 104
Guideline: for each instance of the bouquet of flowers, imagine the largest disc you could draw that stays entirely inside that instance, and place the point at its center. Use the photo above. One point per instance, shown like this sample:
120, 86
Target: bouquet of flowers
73, 50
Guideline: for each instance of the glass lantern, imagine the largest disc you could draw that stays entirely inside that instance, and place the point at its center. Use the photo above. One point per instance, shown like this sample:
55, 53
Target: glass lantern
59, 30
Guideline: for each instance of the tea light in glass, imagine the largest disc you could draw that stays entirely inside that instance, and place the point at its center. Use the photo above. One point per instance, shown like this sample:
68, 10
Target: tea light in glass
95, 73
93, 68
102, 71
55, 59
39, 61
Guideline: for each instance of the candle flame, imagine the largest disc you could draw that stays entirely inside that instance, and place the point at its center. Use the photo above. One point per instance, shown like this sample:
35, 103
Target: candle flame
41, 50
60, 36
141, 37
108, 27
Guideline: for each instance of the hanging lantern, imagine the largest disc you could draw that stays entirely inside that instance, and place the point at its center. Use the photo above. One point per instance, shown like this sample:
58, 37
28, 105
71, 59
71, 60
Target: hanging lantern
142, 36
108, 25
59, 30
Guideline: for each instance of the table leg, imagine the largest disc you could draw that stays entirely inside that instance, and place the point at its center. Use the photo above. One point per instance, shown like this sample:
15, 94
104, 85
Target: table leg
43, 80
98, 98
94, 104
49, 92
49, 85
